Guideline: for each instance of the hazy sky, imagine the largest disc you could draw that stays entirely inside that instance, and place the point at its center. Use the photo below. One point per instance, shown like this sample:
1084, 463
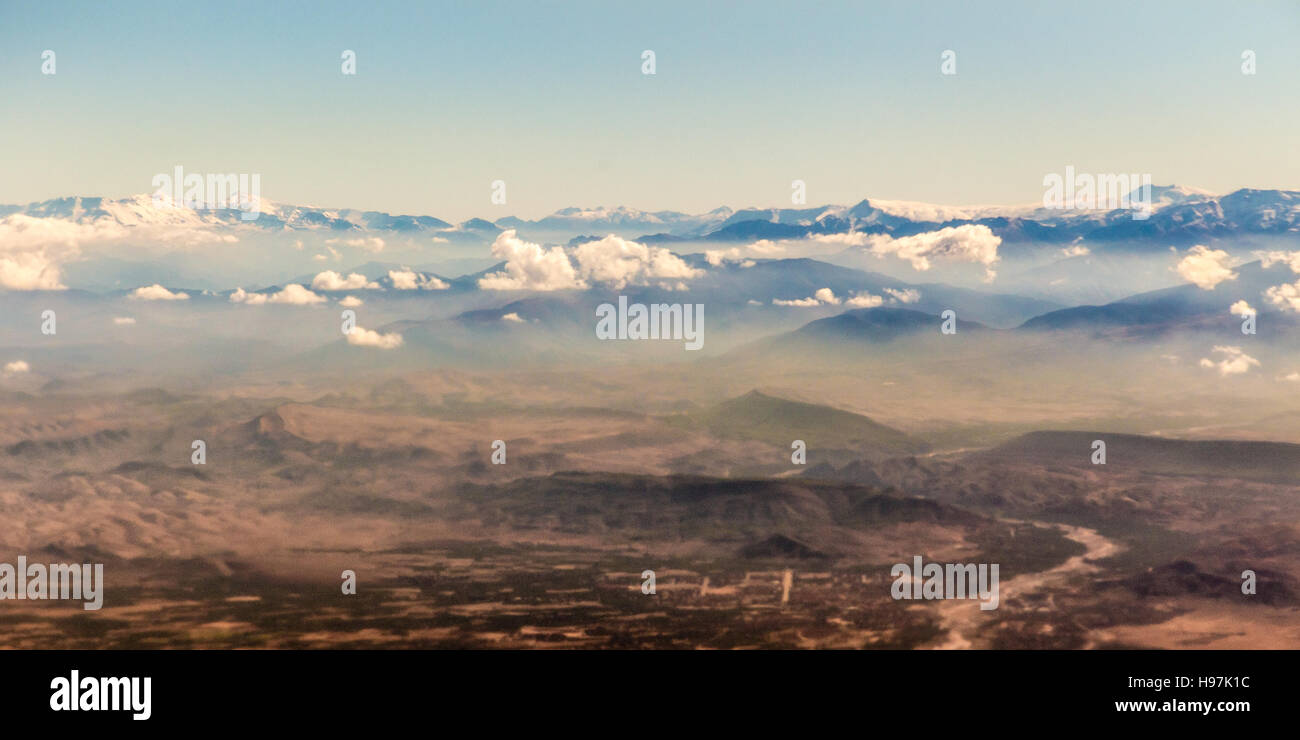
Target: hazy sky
550, 98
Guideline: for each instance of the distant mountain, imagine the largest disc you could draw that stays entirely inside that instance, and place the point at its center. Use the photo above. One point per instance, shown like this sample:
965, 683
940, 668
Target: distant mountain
758, 416
1180, 214
623, 220
781, 517
764, 281
869, 326
1272, 461
1185, 307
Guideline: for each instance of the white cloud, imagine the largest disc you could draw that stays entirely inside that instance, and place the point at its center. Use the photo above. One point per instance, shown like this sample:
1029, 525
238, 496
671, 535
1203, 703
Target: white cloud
1077, 250
617, 262
530, 266
252, 299
32, 250
766, 247
411, 280
370, 338
296, 295
1290, 259
123, 320
351, 302
512, 316
797, 302
331, 281
968, 243
907, 295
717, 257
820, 297
156, 292
612, 261
1234, 362
1293, 377
740, 255
1241, 308
1205, 267
17, 366
865, 300
292, 295
847, 239
826, 295
1285, 296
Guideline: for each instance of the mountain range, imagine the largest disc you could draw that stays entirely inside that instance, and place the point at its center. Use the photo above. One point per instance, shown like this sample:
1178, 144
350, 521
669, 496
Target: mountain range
1179, 214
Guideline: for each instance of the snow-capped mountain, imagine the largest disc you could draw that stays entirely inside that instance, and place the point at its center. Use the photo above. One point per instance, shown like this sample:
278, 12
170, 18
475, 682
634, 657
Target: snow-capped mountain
1177, 212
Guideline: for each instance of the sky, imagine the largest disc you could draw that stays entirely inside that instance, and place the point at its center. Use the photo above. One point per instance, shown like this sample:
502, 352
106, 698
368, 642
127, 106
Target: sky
550, 98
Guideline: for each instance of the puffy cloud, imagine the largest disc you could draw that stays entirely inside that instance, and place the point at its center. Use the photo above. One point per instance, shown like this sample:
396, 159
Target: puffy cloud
1077, 250
411, 280
32, 250
821, 297
612, 261
252, 299
292, 295
123, 320
742, 255
865, 300
1205, 267
330, 280
30, 271
370, 338
351, 302
907, 295
968, 243
17, 366
1234, 362
1241, 308
1290, 259
530, 266
797, 302
765, 247
617, 262
1285, 296
717, 257
825, 295
296, 295
512, 316
156, 292
846, 239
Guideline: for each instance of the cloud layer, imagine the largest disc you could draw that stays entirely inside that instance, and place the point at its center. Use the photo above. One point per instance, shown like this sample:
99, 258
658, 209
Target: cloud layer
612, 262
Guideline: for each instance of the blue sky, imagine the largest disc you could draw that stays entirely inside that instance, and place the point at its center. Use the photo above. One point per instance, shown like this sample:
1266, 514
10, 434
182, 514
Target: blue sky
550, 98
